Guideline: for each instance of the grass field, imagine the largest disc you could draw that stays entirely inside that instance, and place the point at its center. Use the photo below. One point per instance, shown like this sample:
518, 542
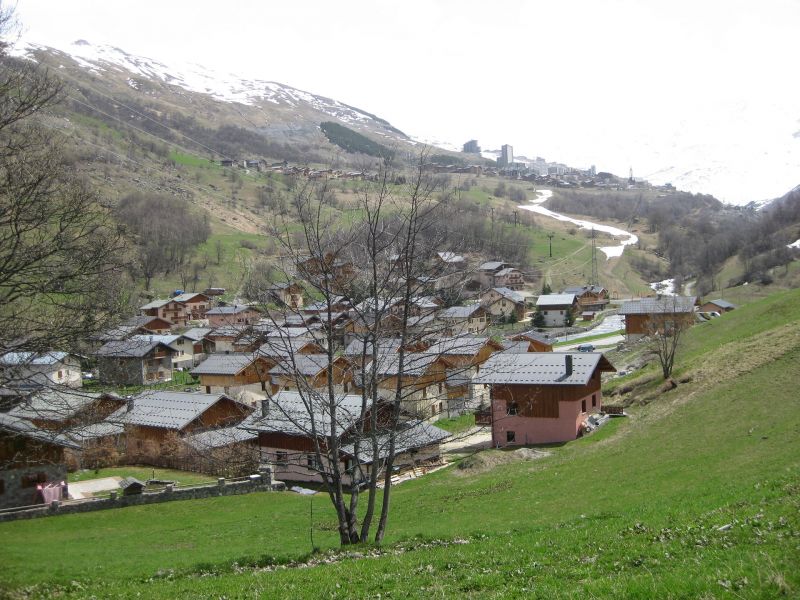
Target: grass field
696, 495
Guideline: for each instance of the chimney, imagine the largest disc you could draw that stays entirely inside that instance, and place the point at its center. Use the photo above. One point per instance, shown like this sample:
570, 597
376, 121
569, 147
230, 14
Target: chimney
265, 407
129, 405
568, 361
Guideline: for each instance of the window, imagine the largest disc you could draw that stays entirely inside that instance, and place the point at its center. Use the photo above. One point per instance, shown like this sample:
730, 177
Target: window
281, 458
311, 462
583, 405
32, 479
510, 436
594, 399
60, 374
512, 409
440, 388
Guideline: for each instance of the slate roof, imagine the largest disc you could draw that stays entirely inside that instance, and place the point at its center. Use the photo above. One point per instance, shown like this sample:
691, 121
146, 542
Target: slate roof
130, 348
414, 363
32, 358
655, 306
197, 333
410, 435
224, 364
57, 405
385, 345
510, 294
25, 428
721, 303
459, 312
222, 436
187, 296
168, 410
491, 265
555, 300
520, 347
459, 345
154, 304
229, 310
282, 348
299, 414
541, 368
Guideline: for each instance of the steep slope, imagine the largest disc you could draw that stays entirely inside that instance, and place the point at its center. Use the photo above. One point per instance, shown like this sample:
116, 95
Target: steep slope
695, 495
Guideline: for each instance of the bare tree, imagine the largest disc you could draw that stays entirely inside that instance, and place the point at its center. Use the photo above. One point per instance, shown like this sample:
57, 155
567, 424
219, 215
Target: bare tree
381, 265
666, 328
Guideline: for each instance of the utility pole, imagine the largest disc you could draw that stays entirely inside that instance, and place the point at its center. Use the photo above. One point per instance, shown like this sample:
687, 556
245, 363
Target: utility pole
550, 237
594, 280
492, 209
515, 218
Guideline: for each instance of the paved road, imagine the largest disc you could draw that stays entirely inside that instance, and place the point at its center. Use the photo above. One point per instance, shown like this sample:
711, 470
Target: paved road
609, 324
612, 340
83, 489
477, 438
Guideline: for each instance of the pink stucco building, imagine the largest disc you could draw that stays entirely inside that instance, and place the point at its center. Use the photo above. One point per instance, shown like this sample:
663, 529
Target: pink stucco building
542, 397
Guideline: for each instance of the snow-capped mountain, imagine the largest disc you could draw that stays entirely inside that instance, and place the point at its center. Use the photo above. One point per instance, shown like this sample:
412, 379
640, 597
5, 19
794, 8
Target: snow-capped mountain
224, 87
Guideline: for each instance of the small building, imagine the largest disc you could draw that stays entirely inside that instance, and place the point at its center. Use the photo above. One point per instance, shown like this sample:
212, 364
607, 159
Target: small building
237, 314
590, 298
503, 303
150, 417
139, 361
556, 308
459, 320
312, 371
30, 459
287, 294
539, 342
40, 369
234, 373
542, 397
719, 305
64, 409
643, 317
179, 309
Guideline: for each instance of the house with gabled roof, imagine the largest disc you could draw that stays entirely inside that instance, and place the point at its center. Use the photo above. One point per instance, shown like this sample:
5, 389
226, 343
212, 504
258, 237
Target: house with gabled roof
236, 314
234, 373
719, 305
459, 320
64, 409
291, 426
590, 298
150, 417
501, 303
138, 361
179, 309
312, 371
644, 316
38, 369
542, 397
496, 273
556, 308
539, 342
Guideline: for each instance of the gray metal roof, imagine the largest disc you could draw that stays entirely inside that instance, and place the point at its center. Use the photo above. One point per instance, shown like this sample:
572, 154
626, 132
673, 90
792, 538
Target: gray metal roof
33, 358
168, 410
721, 303
302, 364
130, 348
25, 428
187, 296
303, 414
665, 305
223, 436
459, 312
409, 436
224, 364
510, 294
57, 404
414, 363
197, 333
520, 347
492, 265
358, 347
555, 300
459, 345
282, 348
229, 310
154, 304
539, 368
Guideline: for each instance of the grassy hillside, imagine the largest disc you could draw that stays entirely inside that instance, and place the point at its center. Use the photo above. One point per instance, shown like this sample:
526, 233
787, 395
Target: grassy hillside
696, 495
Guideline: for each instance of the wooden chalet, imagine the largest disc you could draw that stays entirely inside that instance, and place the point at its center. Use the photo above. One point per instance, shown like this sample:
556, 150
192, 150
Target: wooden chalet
501, 303
139, 361
719, 305
460, 320
312, 371
539, 342
590, 298
231, 374
645, 316
236, 315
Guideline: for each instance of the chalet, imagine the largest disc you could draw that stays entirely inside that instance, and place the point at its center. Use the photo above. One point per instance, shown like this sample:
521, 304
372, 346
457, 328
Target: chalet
336, 271
644, 316
312, 371
225, 451
279, 349
286, 294
539, 342
556, 308
138, 325
451, 259
236, 314
359, 348
542, 397
459, 320
150, 417
719, 305
65, 409
292, 426
422, 380
35, 369
496, 273
183, 347
179, 309
590, 298
503, 303
234, 373
201, 345
32, 460
139, 361
223, 339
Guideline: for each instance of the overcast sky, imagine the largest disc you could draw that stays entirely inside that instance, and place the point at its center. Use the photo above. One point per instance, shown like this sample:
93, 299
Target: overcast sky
614, 83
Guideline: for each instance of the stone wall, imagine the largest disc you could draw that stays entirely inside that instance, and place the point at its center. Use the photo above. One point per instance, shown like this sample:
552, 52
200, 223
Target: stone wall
255, 483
